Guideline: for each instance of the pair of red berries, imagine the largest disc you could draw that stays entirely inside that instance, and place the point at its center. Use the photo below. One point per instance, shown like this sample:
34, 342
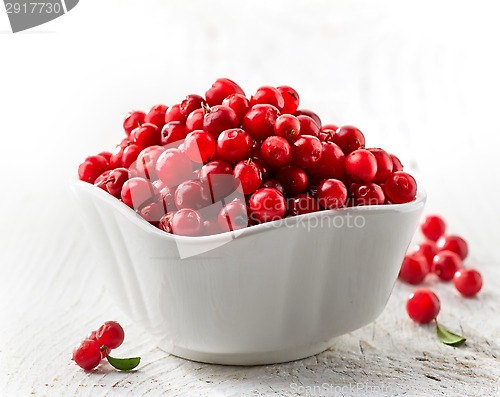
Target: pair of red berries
97, 346
441, 255
277, 160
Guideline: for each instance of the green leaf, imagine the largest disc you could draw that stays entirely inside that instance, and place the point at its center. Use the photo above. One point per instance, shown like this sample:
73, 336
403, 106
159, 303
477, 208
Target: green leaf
124, 364
448, 337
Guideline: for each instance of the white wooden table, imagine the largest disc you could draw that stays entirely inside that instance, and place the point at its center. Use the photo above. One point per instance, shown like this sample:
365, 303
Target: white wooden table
420, 81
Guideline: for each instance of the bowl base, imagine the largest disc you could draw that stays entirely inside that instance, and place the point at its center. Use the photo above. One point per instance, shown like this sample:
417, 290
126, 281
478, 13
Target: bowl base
260, 358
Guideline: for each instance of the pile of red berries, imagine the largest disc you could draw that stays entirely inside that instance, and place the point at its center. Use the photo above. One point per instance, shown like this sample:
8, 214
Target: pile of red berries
223, 162
441, 255
97, 346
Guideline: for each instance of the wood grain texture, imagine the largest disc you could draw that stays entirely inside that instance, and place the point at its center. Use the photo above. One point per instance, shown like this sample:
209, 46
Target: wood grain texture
416, 85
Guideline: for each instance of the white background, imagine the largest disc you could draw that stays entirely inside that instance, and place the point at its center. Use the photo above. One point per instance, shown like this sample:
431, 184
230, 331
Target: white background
420, 79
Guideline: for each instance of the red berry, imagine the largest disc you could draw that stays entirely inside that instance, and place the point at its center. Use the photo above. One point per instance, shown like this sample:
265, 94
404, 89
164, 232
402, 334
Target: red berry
87, 355
220, 118
268, 95
368, 194
274, 184
167, 197
199, 146
152, 212
234, 145
267, 204
468, 282
433, 227
173, 167
156, 116
290, 97
423, 306
114, 181
306, 151
92, 167
361, 166
259, 121
101, 180
384, 165
146, 162
239, 103
104, 349
331, 194
137, 191
146, 135
396, 163
302, 204
445, 264
130, 154
309, 113
308, 126
174, 113
276, 151
414, 269
400, 187
233, 216
187, 222
332, 162
249, 174
293, 179
219, 177
165, 223
220, 90
349, 139
288, 127
192, 194
110, 334
453, 243
172, 132
133, 120
195, 120
429, 250
190, 104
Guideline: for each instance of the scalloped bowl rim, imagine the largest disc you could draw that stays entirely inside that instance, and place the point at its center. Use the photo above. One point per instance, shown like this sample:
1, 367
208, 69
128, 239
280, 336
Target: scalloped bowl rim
147, 227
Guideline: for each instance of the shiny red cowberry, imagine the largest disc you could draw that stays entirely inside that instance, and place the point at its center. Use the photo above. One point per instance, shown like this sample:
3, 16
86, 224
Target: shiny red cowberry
445, 264
291, 99
133, 120
220, 118
468, 282
384, 165
220, 90
400, 187
110, 334
361, 166
306, 151
156, 116
187, 222
302, 204
455, 244
268, 95
414, 269
332, 162
92, 167
259, 121
433, 227
199, 146
331, 194
293, 179
349, 139
267, 204
234, 145
137, 191
367, 194
239, 103
249, 175
276, 151
87, 354
423, 306
233, 216
173, 167
288, 127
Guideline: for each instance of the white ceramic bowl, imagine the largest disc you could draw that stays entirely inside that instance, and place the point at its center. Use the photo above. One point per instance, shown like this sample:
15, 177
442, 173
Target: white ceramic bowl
274, 292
